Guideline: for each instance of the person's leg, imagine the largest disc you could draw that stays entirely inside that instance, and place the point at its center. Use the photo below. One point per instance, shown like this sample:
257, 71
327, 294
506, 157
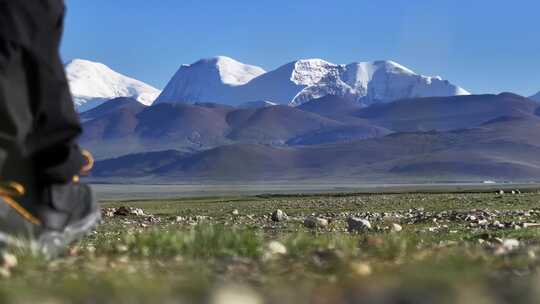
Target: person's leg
15, 124
37, 118
38, 128
56, 125
51, 124
15, 117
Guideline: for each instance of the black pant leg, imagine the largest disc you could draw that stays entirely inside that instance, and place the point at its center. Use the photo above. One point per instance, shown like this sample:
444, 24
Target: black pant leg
15, 117
47, 133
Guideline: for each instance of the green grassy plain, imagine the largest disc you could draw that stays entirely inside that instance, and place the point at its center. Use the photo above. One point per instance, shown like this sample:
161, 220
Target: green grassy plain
229, 250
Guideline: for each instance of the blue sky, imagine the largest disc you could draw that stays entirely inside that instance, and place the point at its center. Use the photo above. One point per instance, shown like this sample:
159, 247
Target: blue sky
483, 45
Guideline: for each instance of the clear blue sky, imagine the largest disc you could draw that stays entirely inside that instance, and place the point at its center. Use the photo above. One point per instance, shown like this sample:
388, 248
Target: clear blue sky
482, 45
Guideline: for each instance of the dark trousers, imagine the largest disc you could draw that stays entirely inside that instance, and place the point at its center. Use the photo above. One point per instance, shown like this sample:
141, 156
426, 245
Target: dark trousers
38, 122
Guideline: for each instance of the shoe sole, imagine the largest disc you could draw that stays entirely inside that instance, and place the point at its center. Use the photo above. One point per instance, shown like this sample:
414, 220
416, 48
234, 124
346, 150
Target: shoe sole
53, 243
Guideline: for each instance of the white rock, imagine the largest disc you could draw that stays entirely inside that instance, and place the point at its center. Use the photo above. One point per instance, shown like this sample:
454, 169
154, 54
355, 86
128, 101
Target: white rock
137, 212
5, 273
315, 222
507, 245
510, 243
122, 248
358, 224
279, 216
396, 227
361, 269
471, 218
273, 250
483, 222
9, 260
201, 218
235, 295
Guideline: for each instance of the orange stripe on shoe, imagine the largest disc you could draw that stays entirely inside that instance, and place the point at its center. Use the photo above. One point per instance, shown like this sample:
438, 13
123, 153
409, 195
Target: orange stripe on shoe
21, 210
12, 189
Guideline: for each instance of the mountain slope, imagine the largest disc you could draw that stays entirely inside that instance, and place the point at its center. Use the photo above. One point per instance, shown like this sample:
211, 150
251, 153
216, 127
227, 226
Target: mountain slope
536, 97
225, 80
335, 107
125, 126
115, 120
133, 128
111, 107
122, 127
195, 124
135, 165
445, 113
93, 83
501, 149
339, 134
277, 125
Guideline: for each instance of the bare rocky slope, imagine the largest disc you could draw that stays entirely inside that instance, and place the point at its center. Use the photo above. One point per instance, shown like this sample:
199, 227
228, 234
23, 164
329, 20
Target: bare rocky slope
468, 138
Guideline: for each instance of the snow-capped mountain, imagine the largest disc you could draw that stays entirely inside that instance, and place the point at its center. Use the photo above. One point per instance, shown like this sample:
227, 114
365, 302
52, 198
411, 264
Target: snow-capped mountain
93, 83
297, 82
536, 97
209, 80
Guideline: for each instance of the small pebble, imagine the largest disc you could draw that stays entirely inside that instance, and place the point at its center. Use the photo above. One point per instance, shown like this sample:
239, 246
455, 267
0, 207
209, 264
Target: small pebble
396, 227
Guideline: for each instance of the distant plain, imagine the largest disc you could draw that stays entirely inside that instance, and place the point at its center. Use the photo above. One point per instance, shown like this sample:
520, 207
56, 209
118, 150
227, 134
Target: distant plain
109, 192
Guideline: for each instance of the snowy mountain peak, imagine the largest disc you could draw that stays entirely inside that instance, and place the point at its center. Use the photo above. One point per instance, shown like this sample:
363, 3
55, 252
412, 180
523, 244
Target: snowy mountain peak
92, 83
225, 80
208, 80
83, 63
391, 66
230, 71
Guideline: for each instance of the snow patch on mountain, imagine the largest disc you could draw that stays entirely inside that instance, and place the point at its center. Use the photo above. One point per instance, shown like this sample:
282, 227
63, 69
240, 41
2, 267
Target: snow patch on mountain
92, 83
536, 97
225, 80
257, 104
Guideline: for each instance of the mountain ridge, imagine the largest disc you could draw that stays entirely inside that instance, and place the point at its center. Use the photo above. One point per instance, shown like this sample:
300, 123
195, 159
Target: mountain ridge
299, 81
331, 119
501, 150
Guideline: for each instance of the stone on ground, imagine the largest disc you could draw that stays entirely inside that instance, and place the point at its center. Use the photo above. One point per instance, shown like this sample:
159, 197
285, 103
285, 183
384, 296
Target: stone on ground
355, 224
313, 222
279, 216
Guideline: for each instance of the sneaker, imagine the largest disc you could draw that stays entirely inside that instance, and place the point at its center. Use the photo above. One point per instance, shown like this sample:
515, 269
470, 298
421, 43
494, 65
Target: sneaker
65, 214
47, 218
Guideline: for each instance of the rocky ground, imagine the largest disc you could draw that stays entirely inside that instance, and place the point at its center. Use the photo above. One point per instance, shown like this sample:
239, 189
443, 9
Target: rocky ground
399, 248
